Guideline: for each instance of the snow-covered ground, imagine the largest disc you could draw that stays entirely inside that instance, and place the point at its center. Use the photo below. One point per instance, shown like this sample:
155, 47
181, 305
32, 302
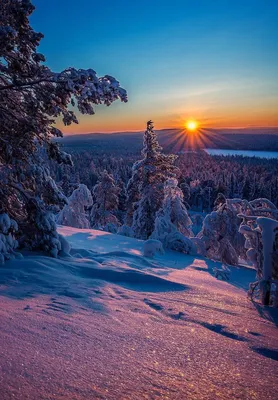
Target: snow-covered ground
108, 323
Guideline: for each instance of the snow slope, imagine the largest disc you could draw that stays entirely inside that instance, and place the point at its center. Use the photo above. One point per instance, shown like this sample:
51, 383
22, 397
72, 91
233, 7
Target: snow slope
107, 323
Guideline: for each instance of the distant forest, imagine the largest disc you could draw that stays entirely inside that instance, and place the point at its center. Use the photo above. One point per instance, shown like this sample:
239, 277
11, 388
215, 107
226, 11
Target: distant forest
205, 176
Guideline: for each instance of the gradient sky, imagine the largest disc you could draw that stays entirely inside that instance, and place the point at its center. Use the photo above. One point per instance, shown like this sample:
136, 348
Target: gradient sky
214, 61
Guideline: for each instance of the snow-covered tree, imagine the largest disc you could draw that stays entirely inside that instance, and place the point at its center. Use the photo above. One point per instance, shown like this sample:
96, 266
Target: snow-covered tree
31, 98
220, 199
133, 192
74, 213
122, 200
220, 234
197, 220
174, 207
261, 234
106, 202
65, 183
260, 229
172, 223
151, 173
186, 194
186, 191
8, 243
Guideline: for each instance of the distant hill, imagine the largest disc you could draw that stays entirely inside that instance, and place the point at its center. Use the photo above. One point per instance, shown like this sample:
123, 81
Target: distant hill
176, 140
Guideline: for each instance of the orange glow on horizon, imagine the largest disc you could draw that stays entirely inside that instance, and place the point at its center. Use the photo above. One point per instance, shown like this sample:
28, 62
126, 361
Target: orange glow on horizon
108, 121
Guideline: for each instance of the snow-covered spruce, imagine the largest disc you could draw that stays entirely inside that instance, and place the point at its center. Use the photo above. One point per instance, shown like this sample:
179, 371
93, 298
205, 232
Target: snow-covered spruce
172, 223
106, 202
173, 206
151, 173
8, 243
74, 213
33, 96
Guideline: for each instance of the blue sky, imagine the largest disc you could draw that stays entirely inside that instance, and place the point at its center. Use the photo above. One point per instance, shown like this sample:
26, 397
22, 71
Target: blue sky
215, 61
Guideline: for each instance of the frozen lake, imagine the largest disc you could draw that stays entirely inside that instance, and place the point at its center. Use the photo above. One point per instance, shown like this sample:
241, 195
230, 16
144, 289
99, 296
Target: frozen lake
246, 153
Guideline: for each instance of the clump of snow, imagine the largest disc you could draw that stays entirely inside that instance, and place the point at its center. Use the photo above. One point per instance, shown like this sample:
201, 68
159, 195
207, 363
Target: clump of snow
65, 247
151, 247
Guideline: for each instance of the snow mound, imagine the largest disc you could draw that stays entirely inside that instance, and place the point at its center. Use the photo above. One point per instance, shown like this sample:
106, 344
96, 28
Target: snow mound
44, 275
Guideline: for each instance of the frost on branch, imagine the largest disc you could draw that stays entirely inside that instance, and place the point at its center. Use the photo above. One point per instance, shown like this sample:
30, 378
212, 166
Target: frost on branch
74, 213
32, 97
8, 244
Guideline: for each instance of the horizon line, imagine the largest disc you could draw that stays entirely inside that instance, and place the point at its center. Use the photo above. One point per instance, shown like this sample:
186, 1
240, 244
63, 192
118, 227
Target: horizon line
166, 129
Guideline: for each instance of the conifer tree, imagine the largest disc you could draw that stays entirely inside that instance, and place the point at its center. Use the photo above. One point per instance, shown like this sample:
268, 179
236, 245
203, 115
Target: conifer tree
151, 173
106, 203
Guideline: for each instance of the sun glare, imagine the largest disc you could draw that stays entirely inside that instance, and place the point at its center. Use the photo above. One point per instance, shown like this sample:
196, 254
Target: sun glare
191, 125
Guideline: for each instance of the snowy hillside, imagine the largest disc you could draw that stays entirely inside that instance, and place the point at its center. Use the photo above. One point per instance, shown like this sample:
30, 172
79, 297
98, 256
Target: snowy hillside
107, 323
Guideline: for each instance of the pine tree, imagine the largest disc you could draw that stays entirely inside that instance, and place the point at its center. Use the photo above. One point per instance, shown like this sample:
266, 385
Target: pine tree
31, 98
133, 193
65, 185
246, 190
106, 203
122, 196
232, 185
151, 173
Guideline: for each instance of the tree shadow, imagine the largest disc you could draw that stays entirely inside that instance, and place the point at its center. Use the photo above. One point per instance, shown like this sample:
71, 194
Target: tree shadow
239, 276
269, 353
268, 313
222, 330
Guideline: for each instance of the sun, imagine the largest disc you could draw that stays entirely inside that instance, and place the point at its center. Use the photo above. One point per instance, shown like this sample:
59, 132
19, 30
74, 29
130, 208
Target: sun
191, 125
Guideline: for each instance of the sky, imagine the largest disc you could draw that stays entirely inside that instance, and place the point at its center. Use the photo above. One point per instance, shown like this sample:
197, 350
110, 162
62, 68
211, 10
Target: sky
212, 61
